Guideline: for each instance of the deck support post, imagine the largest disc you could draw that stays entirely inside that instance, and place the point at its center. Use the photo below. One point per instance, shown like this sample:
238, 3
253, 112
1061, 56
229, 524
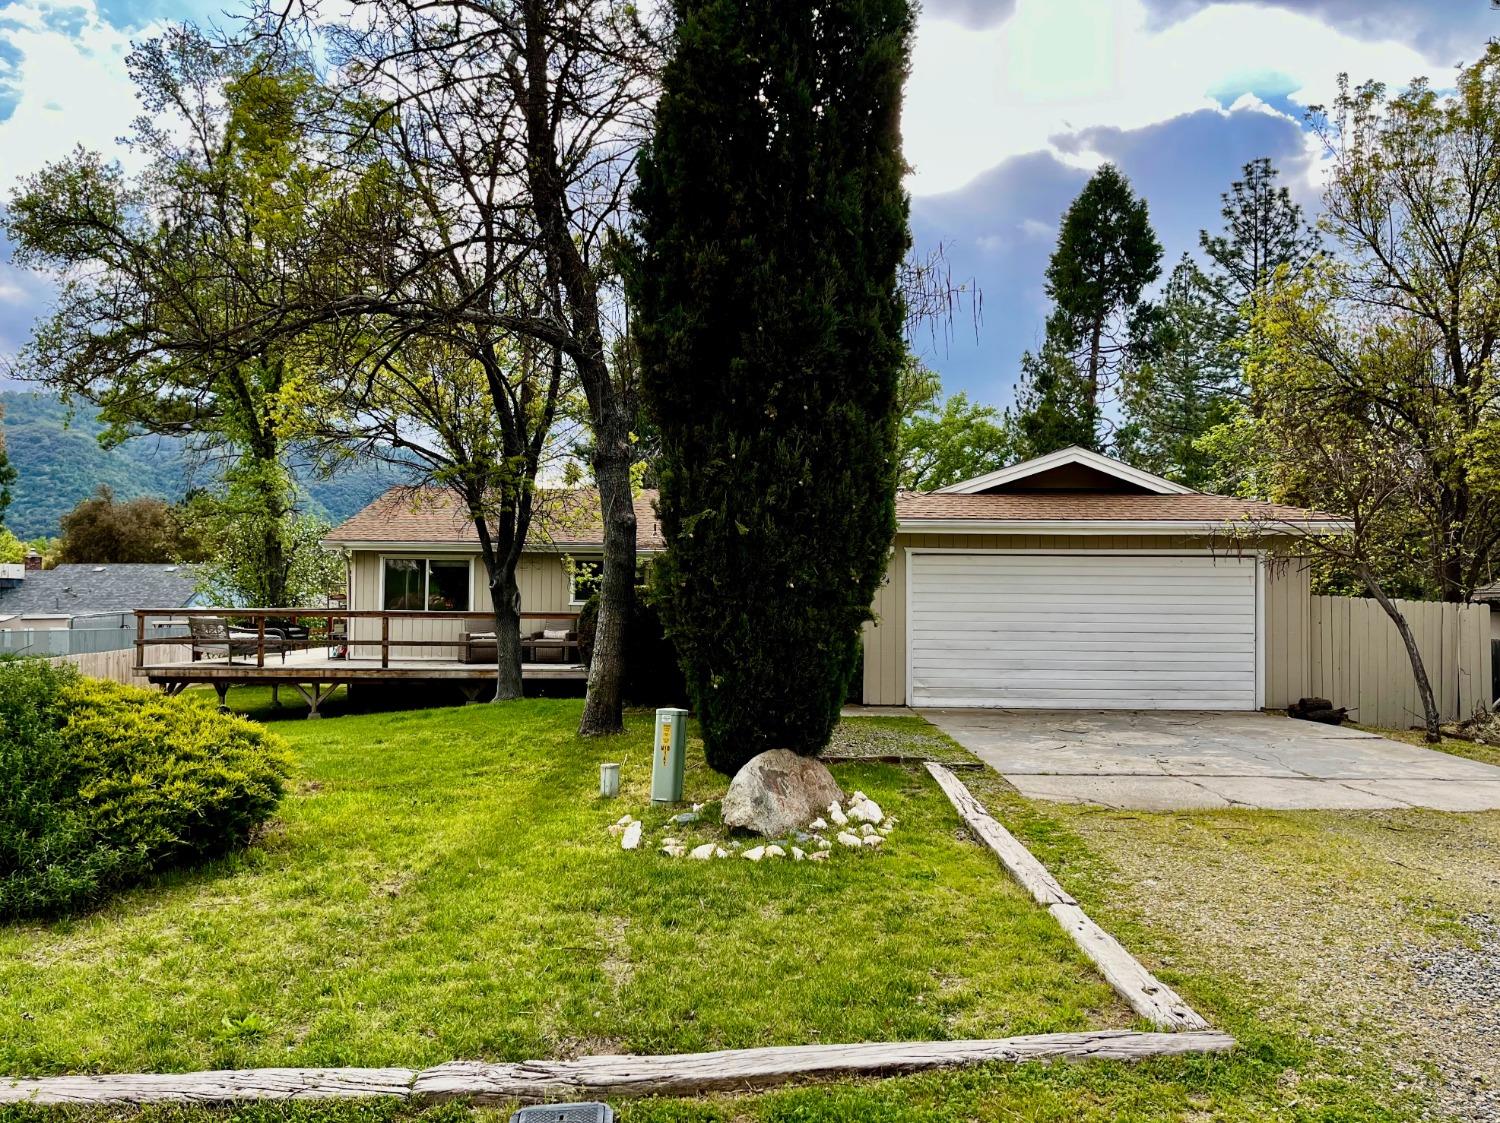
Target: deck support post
315, 696
222, 690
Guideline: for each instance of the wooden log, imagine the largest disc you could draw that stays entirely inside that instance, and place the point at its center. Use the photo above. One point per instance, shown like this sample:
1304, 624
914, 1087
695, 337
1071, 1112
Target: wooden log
895, 758
228, 1086
732, 1070
1147, 995
1034, 877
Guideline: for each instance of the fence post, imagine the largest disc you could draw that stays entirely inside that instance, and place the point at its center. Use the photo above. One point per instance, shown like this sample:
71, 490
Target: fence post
140, 638
385, 642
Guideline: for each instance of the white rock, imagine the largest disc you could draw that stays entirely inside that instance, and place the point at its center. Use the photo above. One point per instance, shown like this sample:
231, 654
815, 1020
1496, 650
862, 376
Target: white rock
818, 824
884, 828
874, 839
700, 853
866, 829
755, 853
798, 855
720, 852
632, 837
824, 844
866, 811
774, 851
850, 839
676, 851
836, 813
671, 841
820, 856
619, 827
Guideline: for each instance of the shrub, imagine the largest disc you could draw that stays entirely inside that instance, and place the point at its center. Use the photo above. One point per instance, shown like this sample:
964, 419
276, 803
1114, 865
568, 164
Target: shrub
102, 785
653, 676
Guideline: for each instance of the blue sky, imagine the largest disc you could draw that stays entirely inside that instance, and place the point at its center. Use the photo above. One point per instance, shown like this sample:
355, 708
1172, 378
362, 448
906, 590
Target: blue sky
1011, 105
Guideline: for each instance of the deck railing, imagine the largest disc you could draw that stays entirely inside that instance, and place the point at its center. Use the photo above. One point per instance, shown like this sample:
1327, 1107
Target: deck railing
260, 624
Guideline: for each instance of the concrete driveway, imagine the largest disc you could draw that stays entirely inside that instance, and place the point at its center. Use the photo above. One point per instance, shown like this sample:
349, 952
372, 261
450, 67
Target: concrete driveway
1163, 760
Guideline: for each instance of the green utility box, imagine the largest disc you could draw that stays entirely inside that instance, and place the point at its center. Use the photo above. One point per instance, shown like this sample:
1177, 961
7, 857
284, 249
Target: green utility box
669, 758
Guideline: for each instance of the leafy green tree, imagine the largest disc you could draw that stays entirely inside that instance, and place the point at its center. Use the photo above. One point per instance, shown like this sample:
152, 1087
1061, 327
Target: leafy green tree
1400, 328
240, 570
176, 276
945, 440
12, 549
770, 326
105, 529
1106, 255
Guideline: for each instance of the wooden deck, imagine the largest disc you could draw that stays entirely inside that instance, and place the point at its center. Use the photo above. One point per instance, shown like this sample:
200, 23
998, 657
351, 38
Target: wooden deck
316, 674
318, 665
340, 647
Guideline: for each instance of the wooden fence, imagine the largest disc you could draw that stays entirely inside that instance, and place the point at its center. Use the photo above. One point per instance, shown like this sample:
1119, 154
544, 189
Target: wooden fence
119, 666
1357, 659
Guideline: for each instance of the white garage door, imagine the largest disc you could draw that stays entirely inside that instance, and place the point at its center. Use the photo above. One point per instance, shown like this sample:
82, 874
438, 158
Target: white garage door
1089, 631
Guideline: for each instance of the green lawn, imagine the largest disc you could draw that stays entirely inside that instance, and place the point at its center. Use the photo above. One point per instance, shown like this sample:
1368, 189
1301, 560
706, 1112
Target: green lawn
441, 884
382, 923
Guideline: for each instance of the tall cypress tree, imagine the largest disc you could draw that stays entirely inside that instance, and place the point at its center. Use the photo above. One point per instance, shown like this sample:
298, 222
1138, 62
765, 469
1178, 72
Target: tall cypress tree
772, 222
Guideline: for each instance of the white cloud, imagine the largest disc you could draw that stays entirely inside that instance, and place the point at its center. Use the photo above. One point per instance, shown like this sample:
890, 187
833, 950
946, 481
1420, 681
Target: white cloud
72, 83
978, 96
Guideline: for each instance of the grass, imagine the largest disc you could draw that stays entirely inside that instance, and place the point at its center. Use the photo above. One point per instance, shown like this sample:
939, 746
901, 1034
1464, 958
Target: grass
1288, 929
1473, 750
441, 884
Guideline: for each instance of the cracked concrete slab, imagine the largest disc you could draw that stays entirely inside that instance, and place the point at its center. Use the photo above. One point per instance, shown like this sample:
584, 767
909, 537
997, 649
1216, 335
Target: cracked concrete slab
1160, 760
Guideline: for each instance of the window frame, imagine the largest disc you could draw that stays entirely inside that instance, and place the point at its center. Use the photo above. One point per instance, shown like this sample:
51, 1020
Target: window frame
571, 569
426, 560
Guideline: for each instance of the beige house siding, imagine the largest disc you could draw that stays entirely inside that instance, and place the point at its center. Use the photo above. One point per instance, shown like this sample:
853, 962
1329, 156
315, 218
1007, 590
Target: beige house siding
1286, 608
542, 578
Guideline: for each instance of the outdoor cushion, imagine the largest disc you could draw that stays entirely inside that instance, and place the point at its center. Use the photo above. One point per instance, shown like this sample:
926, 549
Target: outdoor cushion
558, 634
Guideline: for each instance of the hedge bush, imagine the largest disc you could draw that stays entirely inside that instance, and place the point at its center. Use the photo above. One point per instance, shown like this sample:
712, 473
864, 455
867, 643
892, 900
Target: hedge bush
653, 676
102, 785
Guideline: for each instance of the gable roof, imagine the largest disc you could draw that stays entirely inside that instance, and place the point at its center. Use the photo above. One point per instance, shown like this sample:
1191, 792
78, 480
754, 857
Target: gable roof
414, 518
1098, 512
83, 589
1095, 463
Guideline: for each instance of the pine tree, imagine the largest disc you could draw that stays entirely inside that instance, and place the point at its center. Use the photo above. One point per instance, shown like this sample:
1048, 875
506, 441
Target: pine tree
1191, 379
769, 321
1264, 229
1106, 255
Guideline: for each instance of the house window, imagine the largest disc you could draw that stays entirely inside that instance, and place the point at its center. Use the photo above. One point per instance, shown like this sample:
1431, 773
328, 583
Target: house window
586, 573
427, 584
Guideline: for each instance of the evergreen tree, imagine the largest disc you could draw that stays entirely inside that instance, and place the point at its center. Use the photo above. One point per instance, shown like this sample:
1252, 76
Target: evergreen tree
1192, 378
770, 327
1053, 406
1106, 255
1263, 230
1186, 388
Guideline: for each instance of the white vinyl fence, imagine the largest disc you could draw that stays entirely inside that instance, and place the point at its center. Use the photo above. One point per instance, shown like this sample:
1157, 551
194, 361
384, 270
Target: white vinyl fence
1357, 659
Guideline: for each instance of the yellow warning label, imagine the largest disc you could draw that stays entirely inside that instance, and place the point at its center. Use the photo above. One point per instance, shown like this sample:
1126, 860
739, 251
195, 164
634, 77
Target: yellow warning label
666, 740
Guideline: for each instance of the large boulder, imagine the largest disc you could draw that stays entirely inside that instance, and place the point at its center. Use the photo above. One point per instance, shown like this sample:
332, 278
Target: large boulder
777, 792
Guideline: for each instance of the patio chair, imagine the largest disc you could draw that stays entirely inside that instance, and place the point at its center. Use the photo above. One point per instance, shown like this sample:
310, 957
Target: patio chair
213, 634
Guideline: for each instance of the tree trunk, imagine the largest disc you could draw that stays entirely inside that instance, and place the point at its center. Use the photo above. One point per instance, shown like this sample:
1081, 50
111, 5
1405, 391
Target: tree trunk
1430, 715
505, 600
612, 460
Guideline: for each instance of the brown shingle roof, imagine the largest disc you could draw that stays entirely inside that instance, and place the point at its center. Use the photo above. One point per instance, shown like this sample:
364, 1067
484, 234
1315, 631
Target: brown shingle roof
570, 517
564, 517
1095, 506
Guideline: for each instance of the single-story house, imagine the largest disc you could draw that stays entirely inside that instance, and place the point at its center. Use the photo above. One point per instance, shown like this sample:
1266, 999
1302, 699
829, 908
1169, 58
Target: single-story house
82, 607
1069, 581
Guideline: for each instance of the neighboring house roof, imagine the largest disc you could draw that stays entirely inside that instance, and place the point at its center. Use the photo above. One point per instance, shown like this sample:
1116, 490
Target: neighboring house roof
83, 590
1071, 468
565, 518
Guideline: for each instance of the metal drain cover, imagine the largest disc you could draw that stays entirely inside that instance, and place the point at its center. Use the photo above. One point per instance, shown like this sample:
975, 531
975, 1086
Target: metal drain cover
565, 1113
